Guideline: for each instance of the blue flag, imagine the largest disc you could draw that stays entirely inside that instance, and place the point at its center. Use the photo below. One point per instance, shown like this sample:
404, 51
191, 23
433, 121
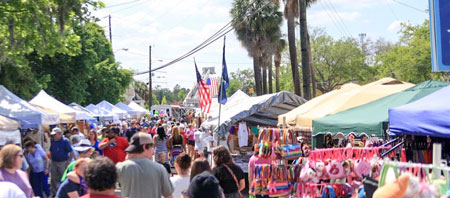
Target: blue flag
222, 97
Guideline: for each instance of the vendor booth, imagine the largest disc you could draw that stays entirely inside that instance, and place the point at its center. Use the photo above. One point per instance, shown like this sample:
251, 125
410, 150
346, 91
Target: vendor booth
371, 119
14, 107
103, 114
351, 97
9, 131
138, 108
132, 112
42, 99
110, 107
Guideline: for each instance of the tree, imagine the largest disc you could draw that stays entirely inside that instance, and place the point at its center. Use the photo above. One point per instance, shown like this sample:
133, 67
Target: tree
290, 13
338, 62
89, 77
164, 100
241, 79
252, 21
306, 67
277, 60
410, 59
44, 27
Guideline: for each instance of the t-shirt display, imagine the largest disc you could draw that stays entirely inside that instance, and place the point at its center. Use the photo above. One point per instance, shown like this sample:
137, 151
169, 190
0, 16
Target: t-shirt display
243, 134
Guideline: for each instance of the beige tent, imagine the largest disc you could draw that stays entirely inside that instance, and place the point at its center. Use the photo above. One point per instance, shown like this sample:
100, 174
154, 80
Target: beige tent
63, 117
7, 124
351, 98
291, 116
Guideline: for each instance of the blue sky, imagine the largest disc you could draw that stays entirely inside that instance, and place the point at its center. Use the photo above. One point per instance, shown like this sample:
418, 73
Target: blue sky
173, 27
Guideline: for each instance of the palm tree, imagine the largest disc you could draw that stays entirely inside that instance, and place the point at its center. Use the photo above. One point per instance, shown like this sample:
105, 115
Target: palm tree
254, 21
277, 60
290, 13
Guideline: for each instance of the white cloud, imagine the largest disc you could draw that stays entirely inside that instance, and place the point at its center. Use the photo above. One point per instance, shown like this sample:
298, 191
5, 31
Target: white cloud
395, 26
355, 4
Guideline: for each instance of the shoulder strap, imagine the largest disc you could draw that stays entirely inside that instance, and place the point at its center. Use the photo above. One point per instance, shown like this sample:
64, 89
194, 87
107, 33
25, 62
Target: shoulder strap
232, 174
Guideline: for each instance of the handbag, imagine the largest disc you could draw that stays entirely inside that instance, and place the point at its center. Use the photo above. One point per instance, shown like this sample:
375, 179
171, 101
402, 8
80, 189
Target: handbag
235, 179
290, 150
279, 186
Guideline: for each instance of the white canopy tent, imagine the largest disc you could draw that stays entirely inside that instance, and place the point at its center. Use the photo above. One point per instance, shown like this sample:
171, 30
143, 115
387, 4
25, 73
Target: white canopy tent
234, 99
14, 107
81, 108
261, 110
44, 100
110, 107
103, 114
133, 113
137, 107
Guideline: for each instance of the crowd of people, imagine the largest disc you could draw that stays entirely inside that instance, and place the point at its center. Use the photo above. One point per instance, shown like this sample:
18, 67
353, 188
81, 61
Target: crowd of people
117, 160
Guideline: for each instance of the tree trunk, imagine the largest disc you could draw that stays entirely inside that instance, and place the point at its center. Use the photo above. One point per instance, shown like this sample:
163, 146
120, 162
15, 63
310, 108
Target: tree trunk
264, 73
277, 71
293, 52
305, 57
257, 70
311, 67
269, 65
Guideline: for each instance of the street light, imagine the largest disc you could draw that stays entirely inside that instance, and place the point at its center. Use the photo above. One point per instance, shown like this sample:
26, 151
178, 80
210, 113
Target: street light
124, 49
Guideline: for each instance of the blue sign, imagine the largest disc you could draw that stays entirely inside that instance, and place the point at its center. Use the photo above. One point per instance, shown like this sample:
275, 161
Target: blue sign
440, 35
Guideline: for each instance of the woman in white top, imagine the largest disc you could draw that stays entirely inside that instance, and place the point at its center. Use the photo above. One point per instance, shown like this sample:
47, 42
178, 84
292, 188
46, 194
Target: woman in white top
182, 179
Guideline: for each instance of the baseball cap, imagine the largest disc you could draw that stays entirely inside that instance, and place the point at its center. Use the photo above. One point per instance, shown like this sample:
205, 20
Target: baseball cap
55, 130
139, 139
204, 185
84, 145
75, 128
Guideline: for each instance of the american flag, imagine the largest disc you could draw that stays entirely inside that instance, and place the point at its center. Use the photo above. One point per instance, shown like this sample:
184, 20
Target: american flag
203, 92
212, 84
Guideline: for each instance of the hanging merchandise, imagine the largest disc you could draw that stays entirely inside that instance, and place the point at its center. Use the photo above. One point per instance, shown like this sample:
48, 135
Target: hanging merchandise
274, 180
290, 150
413, 180
243, 134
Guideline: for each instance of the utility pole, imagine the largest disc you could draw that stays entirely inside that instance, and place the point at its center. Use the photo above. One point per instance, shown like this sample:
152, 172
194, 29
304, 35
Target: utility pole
150, 98
361, 38
304, 48
110, 35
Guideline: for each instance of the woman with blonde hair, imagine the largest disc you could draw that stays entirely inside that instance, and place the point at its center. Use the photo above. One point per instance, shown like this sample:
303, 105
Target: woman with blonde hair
175, 144
10, 165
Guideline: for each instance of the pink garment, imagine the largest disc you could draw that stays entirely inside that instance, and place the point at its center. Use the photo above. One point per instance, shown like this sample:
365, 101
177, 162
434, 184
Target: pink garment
19, 178
190, 134
254, 160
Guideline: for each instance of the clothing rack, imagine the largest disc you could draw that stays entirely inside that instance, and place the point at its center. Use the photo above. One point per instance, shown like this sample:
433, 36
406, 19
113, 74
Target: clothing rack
393, 149
345, 153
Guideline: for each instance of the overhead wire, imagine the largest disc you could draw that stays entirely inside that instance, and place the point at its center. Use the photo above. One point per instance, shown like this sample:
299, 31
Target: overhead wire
412, 7
337, 16
339, 28
223, 31
120, 4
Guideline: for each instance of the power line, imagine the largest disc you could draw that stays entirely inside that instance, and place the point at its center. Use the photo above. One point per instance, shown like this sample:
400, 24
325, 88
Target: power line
339, 17
339, 28
120, 4
412, 7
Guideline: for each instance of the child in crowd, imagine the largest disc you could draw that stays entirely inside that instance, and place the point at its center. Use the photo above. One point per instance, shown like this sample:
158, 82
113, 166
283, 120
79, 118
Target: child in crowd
162, 160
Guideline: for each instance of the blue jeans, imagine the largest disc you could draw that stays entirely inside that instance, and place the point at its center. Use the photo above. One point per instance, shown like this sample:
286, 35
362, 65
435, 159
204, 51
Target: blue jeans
39, 182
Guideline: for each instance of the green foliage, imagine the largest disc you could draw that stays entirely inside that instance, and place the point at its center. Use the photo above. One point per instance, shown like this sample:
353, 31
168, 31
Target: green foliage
243, 80
43, 27
90, 77
338, 62
159, 94
164, 100
410, 59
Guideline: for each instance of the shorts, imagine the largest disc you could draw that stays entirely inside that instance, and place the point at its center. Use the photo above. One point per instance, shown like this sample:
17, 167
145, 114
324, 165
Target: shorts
191, 142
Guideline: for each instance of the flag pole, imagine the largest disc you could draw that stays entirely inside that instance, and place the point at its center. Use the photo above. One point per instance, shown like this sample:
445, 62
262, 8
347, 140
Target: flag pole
220, 108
